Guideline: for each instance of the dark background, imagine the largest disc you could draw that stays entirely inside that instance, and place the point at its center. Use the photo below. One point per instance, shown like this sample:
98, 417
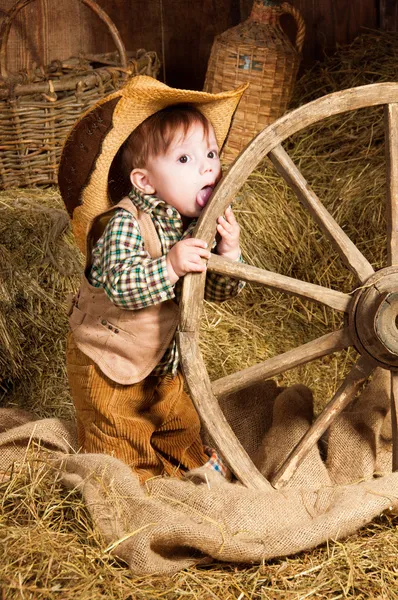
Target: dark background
180, 31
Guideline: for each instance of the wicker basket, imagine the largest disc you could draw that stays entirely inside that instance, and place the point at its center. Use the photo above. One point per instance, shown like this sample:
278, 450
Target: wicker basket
38, 107
256, 51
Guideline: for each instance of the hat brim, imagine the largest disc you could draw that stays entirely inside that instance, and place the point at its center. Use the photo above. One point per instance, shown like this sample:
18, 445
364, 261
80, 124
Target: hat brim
95, 139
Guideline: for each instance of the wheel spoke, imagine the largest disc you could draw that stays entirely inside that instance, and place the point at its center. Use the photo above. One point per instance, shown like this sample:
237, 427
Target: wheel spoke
347, 250
207, 406
327, 344
391, 128
344, 395
394, 419
309, 291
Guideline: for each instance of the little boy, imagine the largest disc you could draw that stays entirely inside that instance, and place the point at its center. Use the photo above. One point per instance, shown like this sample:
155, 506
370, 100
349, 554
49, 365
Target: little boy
122, 357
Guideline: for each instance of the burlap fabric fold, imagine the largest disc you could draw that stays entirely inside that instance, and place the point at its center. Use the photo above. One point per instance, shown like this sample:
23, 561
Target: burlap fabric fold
169, 524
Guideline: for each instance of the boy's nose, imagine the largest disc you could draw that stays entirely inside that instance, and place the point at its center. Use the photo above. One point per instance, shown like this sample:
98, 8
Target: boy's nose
207, 165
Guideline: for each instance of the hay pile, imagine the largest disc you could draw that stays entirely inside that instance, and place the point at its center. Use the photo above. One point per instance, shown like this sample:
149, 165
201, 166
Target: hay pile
39, 266
51, 550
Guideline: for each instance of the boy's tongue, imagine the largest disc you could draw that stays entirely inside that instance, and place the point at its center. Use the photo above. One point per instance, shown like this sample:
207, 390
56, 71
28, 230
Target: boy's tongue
203, 195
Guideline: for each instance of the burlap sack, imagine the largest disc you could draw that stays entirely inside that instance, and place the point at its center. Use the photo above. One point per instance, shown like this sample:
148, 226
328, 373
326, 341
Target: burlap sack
171, 524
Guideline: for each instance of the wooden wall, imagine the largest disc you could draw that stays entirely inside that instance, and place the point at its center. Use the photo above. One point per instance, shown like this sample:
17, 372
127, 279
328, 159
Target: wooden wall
181, 32
389, 15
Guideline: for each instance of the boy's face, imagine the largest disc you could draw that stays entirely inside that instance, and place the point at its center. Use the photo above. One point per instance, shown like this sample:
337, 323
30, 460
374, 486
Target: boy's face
186, 174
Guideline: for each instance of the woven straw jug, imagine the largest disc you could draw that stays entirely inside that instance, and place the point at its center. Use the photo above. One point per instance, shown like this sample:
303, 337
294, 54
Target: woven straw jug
256, 51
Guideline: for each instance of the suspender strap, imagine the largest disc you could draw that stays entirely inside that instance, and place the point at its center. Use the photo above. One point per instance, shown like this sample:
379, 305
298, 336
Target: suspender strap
147, 228
146, 225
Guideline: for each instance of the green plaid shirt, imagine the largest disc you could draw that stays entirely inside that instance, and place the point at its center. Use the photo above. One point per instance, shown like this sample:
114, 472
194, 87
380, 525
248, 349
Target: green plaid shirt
133, 280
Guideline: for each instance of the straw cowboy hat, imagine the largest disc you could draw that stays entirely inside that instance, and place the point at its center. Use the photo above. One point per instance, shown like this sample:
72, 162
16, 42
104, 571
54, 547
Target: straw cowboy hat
87, 176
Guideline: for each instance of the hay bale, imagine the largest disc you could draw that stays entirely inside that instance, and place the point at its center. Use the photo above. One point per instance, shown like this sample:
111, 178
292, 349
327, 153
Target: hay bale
40, 265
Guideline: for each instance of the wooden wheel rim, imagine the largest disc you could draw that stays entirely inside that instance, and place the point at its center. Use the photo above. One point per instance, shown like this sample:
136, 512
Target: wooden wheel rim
268, 143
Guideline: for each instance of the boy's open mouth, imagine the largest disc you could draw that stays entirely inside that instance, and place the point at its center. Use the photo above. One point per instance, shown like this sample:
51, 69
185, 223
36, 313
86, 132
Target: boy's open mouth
203, 195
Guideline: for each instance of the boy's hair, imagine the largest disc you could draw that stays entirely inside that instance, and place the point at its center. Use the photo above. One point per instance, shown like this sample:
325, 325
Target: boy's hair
156, 133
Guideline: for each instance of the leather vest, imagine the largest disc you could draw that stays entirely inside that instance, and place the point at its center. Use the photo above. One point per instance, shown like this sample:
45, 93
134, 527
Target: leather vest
125, 344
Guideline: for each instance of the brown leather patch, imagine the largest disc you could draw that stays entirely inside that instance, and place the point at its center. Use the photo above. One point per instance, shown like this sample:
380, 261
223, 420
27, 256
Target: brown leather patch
81, 151
119, 184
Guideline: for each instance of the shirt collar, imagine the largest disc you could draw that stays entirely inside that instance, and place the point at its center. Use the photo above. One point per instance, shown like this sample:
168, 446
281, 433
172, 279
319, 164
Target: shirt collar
145, 202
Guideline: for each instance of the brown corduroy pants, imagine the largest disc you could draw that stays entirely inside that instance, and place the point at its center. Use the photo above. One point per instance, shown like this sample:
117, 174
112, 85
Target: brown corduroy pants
152, 425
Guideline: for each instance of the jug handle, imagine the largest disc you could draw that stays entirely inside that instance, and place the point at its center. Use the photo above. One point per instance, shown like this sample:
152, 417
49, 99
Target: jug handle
300, 34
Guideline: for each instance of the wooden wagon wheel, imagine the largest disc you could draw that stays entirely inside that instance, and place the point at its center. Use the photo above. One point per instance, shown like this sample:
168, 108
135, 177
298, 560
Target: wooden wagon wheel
371, 312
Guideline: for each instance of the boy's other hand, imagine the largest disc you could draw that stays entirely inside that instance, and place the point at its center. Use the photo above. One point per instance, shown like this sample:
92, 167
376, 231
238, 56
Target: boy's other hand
186, 257
228, 228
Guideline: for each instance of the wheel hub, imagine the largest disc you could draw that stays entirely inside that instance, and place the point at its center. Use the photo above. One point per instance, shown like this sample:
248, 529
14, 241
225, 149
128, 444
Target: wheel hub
373, 319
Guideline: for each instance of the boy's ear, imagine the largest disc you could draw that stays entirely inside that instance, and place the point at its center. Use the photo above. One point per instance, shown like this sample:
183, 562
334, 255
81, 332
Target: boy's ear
140, 179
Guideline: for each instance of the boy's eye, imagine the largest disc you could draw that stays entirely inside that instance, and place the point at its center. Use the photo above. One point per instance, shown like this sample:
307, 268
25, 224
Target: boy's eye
183, 159
212, 154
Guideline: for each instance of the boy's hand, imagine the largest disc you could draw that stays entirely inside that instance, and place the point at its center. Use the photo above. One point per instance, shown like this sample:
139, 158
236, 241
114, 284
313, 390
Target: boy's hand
229, 230
186, 257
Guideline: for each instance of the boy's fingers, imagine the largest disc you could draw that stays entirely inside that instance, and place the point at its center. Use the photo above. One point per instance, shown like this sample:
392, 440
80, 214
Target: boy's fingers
202, 254
197, 254
230, 215
224, 228
199, 250
228, 218
195, 242
205, 254
197, 266
224, 223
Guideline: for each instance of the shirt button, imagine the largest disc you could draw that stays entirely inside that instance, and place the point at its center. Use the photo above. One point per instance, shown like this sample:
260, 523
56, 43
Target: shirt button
169, 212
